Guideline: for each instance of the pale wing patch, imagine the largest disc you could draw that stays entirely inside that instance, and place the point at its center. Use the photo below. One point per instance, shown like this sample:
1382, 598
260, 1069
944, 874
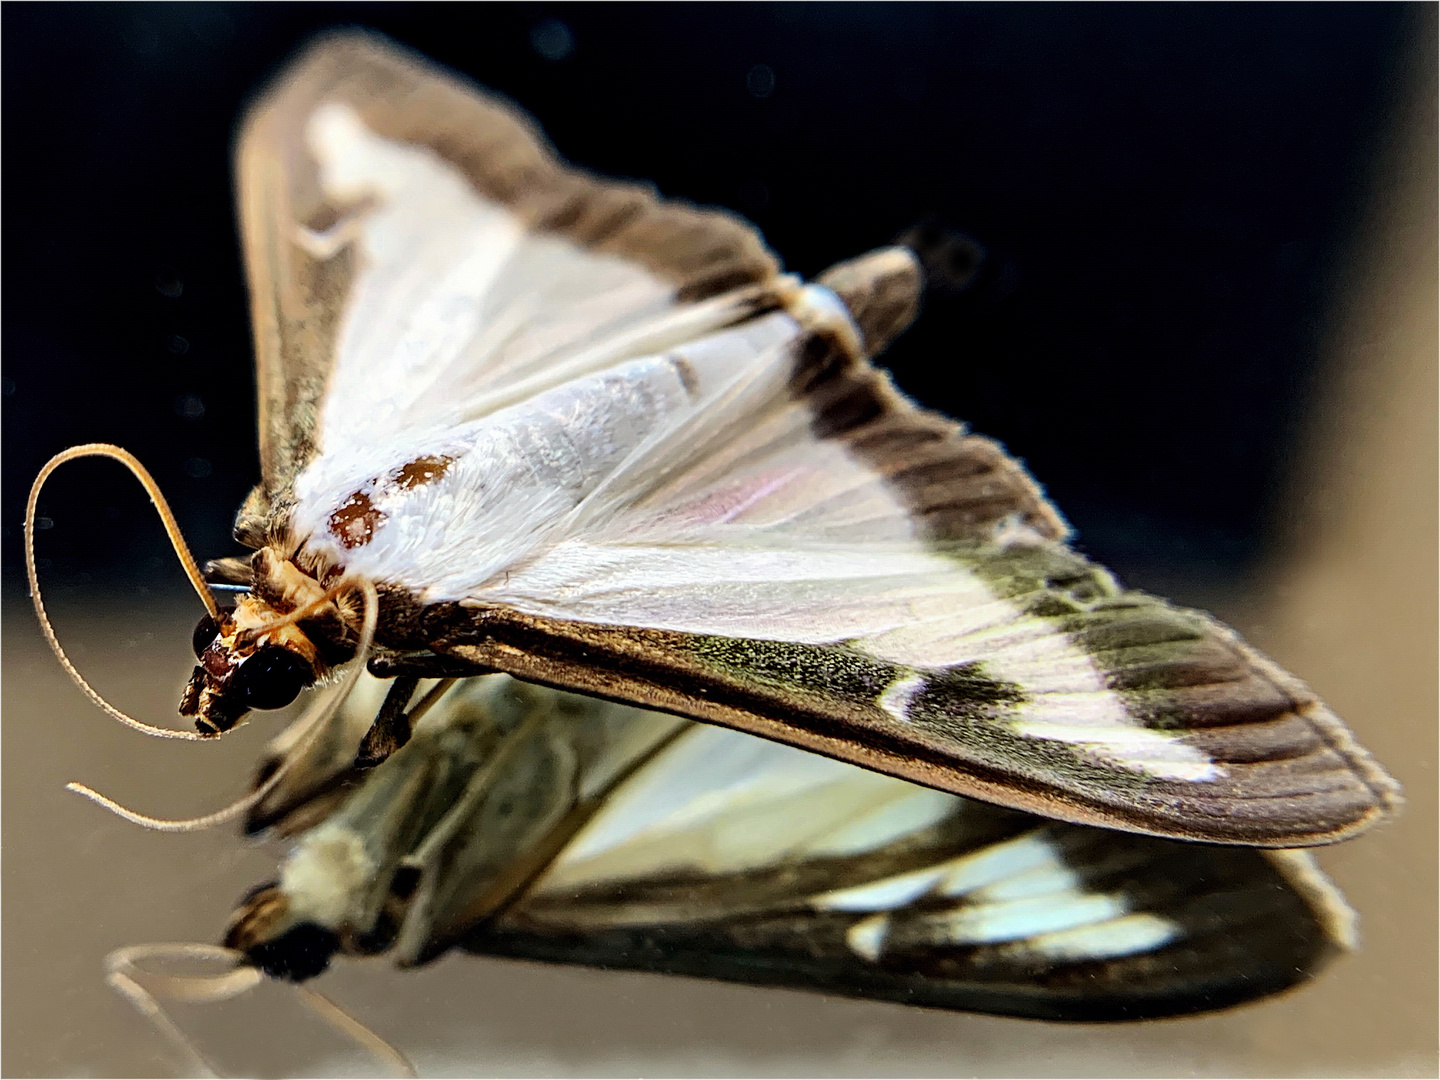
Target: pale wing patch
1019, 894
1011, 920
989, 867
993, 864
1104, 931
867, 937
897, 697
897, 813
455, 298
883, 895
1140, 932
720, 802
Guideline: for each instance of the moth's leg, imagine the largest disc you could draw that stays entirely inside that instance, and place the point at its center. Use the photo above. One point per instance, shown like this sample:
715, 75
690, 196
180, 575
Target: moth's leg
391, 729
424, 665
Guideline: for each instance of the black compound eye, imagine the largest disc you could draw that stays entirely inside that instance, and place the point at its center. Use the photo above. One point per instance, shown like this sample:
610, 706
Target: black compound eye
301, 953
272, 678
207, 630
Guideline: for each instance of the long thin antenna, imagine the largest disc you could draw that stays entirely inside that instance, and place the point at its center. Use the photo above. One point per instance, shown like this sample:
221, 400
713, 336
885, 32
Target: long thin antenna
121, 970
123, 973
328, 1010
318, 715
172, 530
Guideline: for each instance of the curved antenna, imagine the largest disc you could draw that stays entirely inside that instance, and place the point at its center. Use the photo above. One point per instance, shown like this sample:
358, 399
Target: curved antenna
121, 969
315, 719
172, 530
123, 973
338, 1018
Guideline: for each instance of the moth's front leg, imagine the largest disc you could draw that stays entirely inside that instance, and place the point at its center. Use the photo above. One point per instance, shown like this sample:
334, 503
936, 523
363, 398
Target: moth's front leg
424, 665
395, 720
391, 729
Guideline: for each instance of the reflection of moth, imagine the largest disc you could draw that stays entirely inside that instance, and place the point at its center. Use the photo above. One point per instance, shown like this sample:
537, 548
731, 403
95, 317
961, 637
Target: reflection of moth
517, 419
521, 821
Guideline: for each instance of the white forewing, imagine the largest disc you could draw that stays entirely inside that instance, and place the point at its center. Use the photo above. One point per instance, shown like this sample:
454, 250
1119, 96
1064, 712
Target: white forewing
687, 492
456, 308
681, 490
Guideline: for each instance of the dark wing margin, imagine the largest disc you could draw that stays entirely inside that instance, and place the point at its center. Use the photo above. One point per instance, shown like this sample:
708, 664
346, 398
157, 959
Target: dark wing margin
297, 296
958, 486
1241, 925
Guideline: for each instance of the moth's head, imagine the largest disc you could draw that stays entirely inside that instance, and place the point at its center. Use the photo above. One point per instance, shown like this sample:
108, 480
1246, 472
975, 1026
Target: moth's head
245, 663
273, 938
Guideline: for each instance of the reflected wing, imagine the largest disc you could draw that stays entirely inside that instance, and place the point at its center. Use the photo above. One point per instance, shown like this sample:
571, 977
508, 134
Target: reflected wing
731, 859
523, 822
416, 252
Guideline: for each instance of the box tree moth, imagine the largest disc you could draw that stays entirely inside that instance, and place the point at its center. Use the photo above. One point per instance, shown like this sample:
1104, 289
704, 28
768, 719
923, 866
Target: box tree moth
518, 419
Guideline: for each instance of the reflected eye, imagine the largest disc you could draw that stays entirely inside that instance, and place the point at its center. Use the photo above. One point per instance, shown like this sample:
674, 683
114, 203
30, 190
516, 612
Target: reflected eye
207, 630
272, 678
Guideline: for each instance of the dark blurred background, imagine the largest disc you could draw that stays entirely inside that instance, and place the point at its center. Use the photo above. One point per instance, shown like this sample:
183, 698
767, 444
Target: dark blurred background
1165, 194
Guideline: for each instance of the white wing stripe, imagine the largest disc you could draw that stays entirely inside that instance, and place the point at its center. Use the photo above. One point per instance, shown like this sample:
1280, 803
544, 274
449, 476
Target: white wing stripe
1016, 919
1139, 932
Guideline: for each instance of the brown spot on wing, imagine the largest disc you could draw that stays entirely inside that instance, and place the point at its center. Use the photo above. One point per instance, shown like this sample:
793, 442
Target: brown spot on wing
355, 522
423, 470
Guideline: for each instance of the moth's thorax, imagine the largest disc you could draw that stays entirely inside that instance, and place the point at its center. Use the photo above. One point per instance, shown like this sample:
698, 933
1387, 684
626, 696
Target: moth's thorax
253, 657
323, 903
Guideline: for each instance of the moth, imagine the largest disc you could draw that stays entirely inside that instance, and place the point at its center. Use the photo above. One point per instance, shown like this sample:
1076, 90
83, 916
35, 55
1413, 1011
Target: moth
547, 434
